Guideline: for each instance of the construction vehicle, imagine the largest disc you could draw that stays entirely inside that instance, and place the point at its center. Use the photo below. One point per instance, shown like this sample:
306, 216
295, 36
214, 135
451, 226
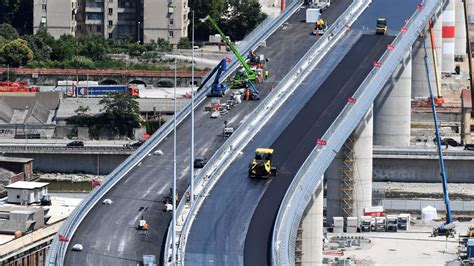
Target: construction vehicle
404, 221
381, 26
218, 89
448, 227
392, 223
245, 77
380, 224
261, 165
320, 28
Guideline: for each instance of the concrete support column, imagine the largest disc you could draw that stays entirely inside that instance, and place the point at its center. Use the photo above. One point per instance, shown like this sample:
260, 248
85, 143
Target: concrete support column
460, 34
363, 156
361, 147
312, 245
333, 192
419, 80
449, 20
392, 109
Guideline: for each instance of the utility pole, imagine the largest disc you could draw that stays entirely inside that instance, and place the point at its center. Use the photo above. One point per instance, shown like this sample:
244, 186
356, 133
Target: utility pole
173, 260
469, 60
192, 117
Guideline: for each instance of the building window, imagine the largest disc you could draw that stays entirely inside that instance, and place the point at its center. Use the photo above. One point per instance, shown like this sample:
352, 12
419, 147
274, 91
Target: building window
171, 34
184, 17
43, 7
110, 23
99, 28
111, 10
110, 36
171, 21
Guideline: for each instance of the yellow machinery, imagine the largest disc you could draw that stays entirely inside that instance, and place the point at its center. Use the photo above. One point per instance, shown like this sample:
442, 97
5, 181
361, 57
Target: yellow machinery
261, 165
381, 28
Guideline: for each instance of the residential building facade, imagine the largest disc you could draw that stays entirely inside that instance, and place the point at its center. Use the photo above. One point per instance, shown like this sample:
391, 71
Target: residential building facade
57, 16
137, 20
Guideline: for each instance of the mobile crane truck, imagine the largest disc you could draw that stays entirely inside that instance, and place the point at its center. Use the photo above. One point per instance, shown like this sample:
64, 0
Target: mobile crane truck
245, 77
448, 227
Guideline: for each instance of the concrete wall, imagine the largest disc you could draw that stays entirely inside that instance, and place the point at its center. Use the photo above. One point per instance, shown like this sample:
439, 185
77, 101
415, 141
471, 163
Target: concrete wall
422, 170
75, 163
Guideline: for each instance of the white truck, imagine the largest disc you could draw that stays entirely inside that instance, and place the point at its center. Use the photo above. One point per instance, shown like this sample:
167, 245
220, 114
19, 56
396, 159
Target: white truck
365, 223
380, 224
404, 221
392, 223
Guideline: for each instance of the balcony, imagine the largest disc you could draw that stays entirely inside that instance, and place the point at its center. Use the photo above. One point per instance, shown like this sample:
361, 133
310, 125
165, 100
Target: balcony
94, 22
126, 10
94, 9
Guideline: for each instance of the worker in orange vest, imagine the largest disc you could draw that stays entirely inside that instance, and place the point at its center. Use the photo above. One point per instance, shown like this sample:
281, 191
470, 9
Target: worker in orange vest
247, 94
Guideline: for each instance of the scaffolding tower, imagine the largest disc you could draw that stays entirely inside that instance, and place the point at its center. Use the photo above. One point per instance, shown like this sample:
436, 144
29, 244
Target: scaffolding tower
347, 179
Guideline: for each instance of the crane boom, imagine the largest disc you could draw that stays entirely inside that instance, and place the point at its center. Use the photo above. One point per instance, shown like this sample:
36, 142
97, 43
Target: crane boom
444, 178
248, 69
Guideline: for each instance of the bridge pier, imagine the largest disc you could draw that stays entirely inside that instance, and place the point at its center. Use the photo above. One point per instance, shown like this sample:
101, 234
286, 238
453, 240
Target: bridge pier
449, 19
392, 108
460, 33
349, 177
312, 235
419, 79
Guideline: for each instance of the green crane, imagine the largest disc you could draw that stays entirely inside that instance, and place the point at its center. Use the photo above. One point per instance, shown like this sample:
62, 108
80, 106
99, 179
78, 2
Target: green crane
249, 75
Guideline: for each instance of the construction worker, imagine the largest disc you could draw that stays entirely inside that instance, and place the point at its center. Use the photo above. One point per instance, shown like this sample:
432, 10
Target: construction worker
266, 74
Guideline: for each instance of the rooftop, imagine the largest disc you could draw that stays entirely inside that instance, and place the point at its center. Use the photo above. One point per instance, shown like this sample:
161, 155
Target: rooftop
15, 159
27, 185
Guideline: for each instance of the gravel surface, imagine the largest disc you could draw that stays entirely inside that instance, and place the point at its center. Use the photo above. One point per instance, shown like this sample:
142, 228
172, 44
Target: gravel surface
69, 177
424, 190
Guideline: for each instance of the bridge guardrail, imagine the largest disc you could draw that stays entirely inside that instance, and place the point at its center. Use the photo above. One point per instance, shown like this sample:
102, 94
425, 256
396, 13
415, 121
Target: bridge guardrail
229, 150
310, 174
58, 249
46, 148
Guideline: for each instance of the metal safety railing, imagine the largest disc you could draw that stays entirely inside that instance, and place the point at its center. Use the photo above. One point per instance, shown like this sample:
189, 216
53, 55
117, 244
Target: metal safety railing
309, 176
230, 149
58, 249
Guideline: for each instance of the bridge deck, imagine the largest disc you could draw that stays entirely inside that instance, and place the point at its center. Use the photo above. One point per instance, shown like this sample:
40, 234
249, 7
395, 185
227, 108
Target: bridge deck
108, 232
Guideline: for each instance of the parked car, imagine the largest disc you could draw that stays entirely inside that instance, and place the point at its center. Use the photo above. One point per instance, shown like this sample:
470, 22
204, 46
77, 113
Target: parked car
134, 145
200, 162
76, 143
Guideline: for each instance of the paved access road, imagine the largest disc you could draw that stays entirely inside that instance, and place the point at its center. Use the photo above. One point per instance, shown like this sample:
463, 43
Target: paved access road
108, 232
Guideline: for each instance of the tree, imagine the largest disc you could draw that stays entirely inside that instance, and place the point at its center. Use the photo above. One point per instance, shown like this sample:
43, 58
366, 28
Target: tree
8, 10
242, 16
93, 47
184, 43
202, 8
164, 45
65, 48
80, 62
16, 53
5, 76
41, 50
8, 32
121, 113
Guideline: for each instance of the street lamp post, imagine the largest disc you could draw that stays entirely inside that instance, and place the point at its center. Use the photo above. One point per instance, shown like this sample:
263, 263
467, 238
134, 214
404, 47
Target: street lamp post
138, 32
192, 118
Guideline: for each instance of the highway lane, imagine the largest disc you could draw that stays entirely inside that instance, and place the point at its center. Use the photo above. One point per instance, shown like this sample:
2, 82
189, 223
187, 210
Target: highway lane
108, 232
218, 233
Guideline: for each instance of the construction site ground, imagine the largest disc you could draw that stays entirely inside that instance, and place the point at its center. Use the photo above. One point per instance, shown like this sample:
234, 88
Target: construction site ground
457, 191
412, 247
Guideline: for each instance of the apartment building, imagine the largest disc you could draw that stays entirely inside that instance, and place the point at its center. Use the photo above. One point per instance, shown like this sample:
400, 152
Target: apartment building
57, 16
166, 19
138, 20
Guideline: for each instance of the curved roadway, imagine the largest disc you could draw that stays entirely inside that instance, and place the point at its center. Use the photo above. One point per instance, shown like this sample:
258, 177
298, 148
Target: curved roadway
108, 233
234, 225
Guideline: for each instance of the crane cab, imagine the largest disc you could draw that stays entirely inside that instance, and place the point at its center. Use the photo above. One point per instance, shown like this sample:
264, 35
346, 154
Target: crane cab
261, 165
